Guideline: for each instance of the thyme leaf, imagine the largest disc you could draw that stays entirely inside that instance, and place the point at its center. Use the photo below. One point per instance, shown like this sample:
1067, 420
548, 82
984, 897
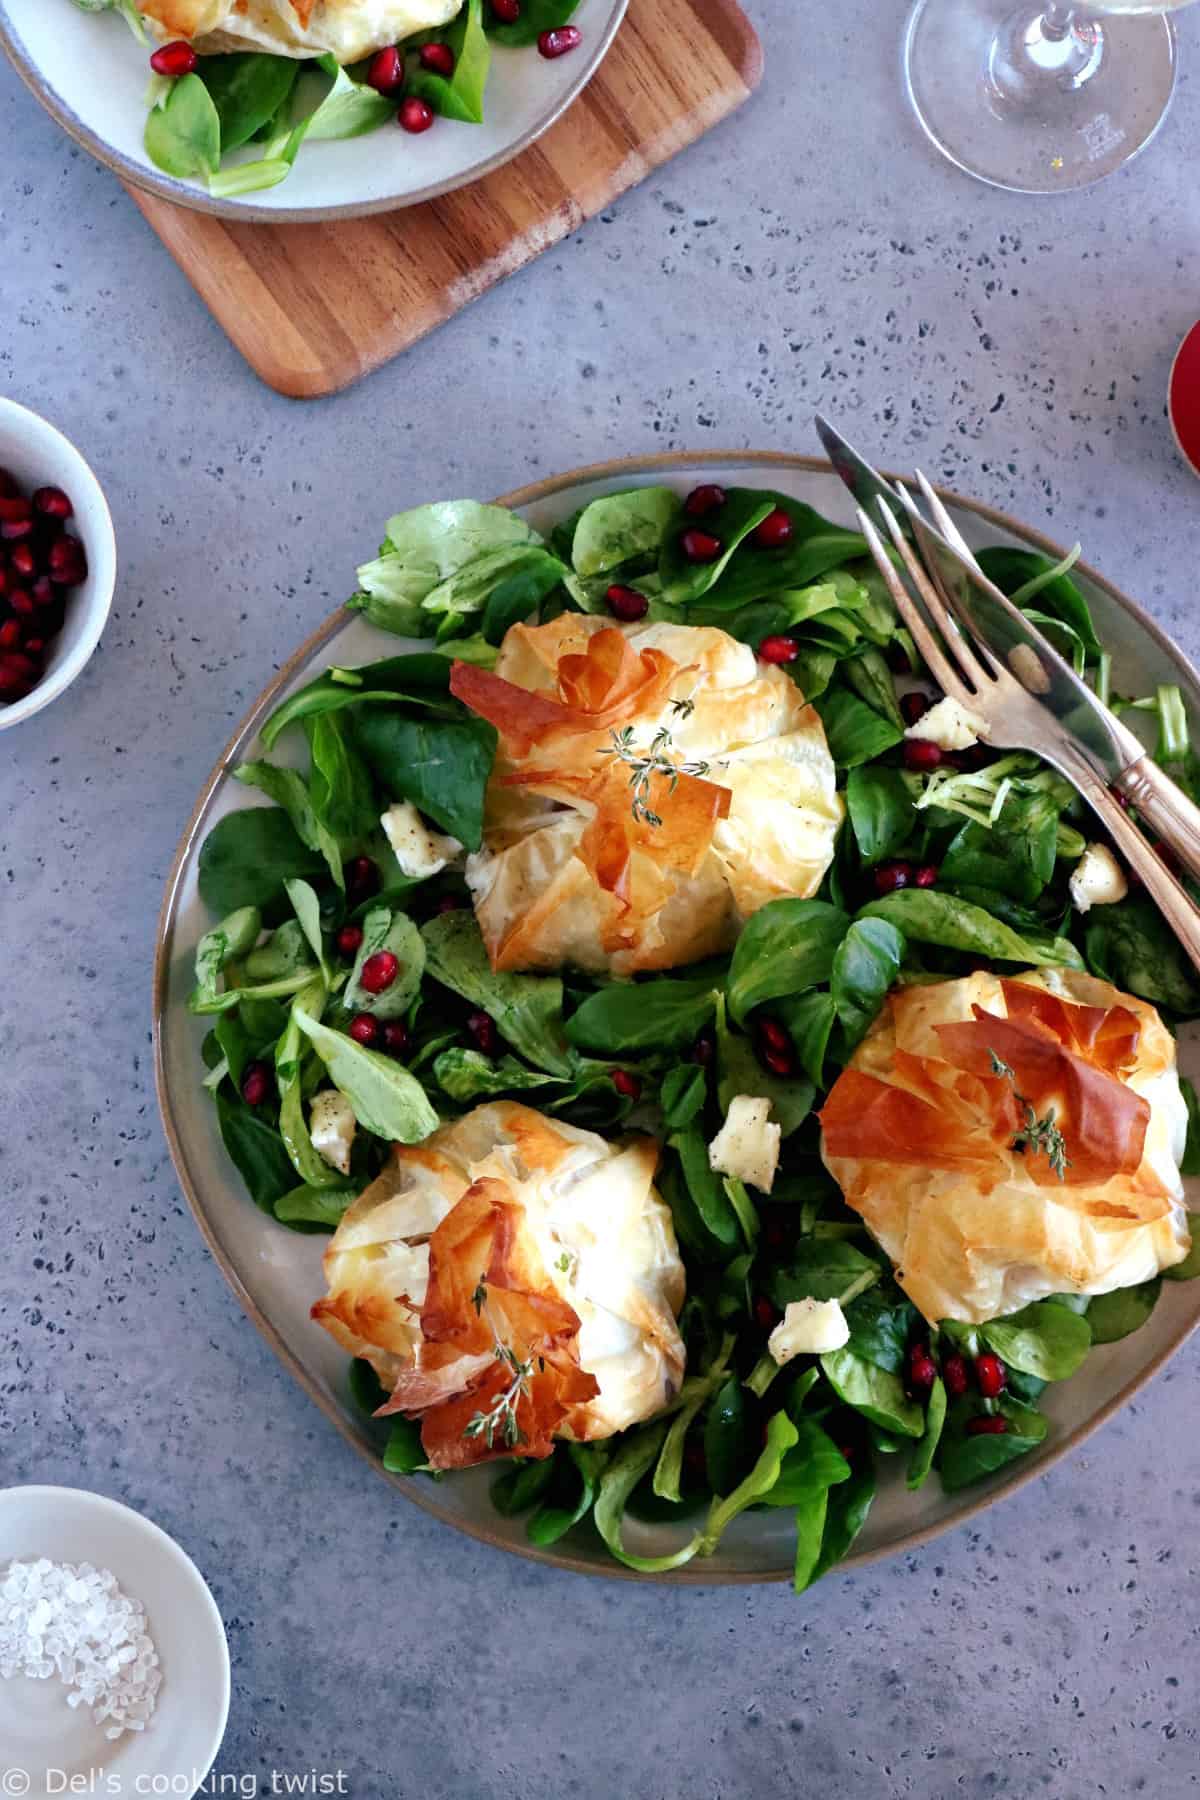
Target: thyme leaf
1038, 1136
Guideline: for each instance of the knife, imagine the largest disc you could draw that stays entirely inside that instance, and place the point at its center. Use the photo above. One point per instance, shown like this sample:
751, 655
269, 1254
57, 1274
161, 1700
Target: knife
865, 483
1115, 754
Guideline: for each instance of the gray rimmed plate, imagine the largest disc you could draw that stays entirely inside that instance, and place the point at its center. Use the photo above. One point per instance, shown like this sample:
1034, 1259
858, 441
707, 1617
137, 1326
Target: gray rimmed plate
91, 76
276, 1274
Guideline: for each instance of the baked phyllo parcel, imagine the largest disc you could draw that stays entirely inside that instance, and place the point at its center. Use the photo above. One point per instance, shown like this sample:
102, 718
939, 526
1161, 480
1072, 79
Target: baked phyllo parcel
1009, 1139
347, 29
511, 1280
654, 786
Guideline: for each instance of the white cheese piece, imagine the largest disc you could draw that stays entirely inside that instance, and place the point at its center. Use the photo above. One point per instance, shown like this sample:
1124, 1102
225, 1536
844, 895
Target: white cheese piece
419, 851
1098, 879
747, 1145
949, 726
809, 1327
331, 1125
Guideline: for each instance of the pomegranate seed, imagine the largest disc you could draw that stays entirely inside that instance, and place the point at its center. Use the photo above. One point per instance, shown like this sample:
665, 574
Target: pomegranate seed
897, 659
437, 57
704, 1049
990, 1374
362, 877
700, 546
174, 60
14, 507
557, 42
481, 1028
35, 646
21, 602
449, 903
889, 877
779, 1063
765, 1315
975, 756
628, 1085
43, 592
921, 753
772, 1035
626, 604
415, 115
774, 531
349, 940
13, 530
778, 650
775, 1232
954, 1374
914, 706
507, 11
15, 680
5, 581
704, 499
68, 564
926, 876
10, 635
364, 1028
385, 71
257, 1083
987, 1425
379, 971
922, 1370
395, 1037
52, 503
23, 561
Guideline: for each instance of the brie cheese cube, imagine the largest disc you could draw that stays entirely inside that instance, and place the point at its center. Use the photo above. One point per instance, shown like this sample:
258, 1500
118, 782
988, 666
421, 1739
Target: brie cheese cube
809, 1328
747, 1145
419, 851
331, 1125
949, 726
1098, 879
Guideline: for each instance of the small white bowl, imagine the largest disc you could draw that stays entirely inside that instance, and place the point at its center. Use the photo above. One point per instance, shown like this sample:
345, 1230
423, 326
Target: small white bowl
39, 456
44, 1743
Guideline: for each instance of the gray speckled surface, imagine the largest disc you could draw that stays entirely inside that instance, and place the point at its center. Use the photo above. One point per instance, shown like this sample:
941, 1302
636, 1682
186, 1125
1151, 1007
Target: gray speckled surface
813, 252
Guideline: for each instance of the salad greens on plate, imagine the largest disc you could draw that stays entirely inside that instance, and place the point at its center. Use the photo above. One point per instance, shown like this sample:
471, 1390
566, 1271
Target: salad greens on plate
237, 119
945, 864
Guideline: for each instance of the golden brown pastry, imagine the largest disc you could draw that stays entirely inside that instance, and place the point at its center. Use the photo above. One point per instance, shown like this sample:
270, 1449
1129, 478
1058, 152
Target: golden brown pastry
510, 1235
570, 872
919, 1132
348, 29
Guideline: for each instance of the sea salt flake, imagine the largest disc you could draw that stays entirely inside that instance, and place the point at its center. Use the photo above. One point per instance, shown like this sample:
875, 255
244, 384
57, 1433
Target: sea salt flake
73, 1621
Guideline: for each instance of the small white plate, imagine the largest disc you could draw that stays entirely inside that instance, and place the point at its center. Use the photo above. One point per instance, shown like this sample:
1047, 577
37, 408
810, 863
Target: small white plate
45, 1745
87, 71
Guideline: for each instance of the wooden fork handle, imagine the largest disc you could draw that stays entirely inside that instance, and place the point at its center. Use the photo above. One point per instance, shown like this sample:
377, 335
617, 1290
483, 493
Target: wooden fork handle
1165, 808
1169, 895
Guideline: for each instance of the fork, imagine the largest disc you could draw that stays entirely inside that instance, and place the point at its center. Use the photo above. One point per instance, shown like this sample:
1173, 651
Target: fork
1163, 807
968, 672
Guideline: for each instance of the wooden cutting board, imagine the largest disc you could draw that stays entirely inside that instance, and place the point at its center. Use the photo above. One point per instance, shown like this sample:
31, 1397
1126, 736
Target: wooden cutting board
314, 308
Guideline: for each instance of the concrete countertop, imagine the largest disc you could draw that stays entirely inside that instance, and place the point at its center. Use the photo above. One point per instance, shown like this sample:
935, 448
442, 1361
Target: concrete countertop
811, 253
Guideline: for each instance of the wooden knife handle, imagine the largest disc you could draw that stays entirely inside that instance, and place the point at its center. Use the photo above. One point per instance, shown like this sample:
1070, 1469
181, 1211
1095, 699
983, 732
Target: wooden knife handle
1165, 808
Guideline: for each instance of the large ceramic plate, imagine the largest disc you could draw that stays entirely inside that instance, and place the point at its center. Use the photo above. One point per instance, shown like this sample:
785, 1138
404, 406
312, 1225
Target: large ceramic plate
89, 73
276, 1274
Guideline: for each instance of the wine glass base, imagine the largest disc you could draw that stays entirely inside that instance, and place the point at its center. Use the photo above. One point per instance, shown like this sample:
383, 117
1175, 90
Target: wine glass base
1064, 127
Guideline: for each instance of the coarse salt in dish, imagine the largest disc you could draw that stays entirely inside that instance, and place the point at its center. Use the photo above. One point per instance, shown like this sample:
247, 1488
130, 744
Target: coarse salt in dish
73, 1621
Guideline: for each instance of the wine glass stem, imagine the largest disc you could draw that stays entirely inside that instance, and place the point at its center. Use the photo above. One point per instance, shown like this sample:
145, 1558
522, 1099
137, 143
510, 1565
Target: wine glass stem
1057, 20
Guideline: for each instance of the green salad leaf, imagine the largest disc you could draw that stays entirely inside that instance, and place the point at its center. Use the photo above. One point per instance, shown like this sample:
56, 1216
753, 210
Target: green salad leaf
441, 765
386, 1099
247, 857
1046, 1341
527, 1009
629, 1016
925, 916
786, 947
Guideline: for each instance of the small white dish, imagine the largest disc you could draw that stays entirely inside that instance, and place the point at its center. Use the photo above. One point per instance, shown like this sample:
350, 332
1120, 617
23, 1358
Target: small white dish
38, 455
48, 1747
88, 72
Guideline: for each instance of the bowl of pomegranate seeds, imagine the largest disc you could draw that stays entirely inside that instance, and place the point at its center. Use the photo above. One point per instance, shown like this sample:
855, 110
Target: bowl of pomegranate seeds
58, 563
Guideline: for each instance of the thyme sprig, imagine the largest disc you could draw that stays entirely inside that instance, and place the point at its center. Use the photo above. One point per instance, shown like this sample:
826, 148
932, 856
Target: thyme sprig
1036, 1135
500, 1420
643, 764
